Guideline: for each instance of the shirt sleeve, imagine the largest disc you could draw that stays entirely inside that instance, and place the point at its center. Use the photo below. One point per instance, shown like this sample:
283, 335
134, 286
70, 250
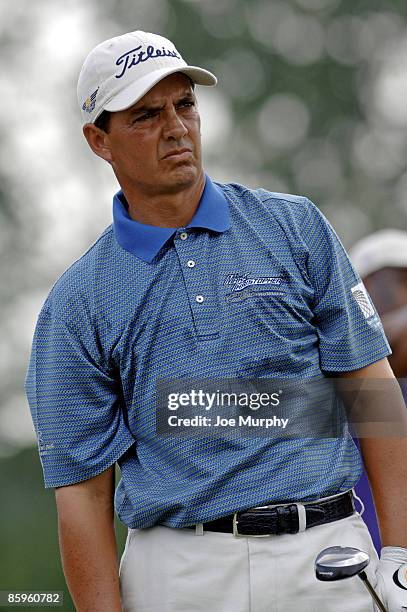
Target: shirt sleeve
350, 332
76, 405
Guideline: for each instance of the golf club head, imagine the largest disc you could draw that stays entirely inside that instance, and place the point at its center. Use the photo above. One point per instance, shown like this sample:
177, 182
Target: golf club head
339, 562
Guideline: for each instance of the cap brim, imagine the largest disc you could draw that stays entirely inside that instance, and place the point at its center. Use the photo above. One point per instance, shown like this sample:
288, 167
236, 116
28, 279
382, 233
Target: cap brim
135, 91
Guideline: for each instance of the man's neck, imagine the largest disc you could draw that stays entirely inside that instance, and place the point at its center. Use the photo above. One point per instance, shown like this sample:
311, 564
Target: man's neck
166, 210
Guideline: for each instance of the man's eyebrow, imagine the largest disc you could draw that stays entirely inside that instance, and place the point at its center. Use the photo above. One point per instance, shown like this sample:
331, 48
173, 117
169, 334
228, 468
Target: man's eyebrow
187, 94
148, 108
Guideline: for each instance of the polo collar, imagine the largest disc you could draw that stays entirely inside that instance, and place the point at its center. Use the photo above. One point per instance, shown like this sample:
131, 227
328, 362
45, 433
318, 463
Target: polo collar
144, 241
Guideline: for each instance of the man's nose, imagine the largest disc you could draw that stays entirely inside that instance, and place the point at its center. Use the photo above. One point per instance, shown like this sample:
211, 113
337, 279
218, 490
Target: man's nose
174, 127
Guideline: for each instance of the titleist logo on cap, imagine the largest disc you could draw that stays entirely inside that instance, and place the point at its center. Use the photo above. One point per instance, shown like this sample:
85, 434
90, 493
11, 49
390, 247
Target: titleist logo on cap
142, 56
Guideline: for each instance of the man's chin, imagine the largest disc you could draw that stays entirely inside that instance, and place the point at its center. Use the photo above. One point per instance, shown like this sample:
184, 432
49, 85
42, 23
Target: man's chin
183, 176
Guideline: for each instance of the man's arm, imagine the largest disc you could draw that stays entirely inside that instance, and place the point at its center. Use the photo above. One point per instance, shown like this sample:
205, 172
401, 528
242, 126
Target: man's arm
385, 459
88, 544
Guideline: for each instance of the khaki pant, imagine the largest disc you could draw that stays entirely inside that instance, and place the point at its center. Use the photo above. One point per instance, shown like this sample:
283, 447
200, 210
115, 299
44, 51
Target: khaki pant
176, 570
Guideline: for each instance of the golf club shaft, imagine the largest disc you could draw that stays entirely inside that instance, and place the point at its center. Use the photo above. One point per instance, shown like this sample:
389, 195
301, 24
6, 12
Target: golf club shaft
372, 592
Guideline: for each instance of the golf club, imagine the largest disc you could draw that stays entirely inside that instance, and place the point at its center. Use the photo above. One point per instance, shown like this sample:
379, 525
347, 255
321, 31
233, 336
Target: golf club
339, 562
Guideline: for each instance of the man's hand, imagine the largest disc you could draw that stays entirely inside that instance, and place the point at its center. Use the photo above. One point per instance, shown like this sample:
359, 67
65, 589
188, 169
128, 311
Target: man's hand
392, 578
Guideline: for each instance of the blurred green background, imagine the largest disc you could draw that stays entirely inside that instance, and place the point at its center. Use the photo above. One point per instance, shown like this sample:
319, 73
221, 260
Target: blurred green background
29, 553
311, 100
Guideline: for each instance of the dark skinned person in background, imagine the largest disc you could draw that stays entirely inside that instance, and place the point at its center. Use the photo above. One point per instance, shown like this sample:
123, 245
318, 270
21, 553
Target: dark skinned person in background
381, 261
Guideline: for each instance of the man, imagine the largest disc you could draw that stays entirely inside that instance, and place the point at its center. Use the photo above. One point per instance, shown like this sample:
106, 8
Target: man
207, 281
381, 261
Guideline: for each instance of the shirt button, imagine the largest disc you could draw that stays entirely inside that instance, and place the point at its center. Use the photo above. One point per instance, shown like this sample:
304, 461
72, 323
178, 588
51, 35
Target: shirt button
199, 299
190, 263
183, 236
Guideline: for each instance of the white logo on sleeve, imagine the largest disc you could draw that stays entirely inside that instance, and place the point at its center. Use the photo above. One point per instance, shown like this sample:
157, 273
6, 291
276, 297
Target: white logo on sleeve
363, 300
43, 448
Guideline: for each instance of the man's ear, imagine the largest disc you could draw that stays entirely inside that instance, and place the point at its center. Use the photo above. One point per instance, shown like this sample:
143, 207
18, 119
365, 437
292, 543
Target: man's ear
98, 140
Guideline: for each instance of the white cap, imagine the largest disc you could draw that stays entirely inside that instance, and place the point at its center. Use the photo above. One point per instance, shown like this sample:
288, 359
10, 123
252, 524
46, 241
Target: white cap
121, 70
387, 248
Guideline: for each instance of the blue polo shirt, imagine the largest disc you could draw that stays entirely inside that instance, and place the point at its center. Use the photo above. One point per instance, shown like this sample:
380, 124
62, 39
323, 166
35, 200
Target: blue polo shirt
257, 285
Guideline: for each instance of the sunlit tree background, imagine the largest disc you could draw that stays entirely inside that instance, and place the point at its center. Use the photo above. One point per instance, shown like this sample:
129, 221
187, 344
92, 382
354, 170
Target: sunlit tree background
311, 100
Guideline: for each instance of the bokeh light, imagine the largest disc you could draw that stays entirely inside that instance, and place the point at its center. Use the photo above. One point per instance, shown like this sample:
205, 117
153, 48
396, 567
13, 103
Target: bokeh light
283, 121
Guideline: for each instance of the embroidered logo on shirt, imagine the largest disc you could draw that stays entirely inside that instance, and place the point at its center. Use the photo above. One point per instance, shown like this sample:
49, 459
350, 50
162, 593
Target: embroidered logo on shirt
242, 285
363, 300
42, 447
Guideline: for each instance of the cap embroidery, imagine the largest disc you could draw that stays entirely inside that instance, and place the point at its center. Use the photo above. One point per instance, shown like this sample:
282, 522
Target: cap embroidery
90, 102
142, 56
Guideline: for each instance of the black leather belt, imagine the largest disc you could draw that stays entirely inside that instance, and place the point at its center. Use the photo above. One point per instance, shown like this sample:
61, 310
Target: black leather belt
281, 519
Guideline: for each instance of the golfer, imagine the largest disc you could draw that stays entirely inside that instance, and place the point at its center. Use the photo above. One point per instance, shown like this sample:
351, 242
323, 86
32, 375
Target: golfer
201, 280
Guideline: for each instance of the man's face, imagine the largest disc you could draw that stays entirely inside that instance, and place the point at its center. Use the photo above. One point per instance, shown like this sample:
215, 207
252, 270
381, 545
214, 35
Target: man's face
155, 146
387, 288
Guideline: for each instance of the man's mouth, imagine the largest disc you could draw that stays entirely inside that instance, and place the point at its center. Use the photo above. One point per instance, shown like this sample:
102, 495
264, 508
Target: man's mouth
178, 153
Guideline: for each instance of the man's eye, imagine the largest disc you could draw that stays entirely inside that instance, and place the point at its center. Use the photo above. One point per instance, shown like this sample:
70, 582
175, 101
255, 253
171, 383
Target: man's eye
187, 103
